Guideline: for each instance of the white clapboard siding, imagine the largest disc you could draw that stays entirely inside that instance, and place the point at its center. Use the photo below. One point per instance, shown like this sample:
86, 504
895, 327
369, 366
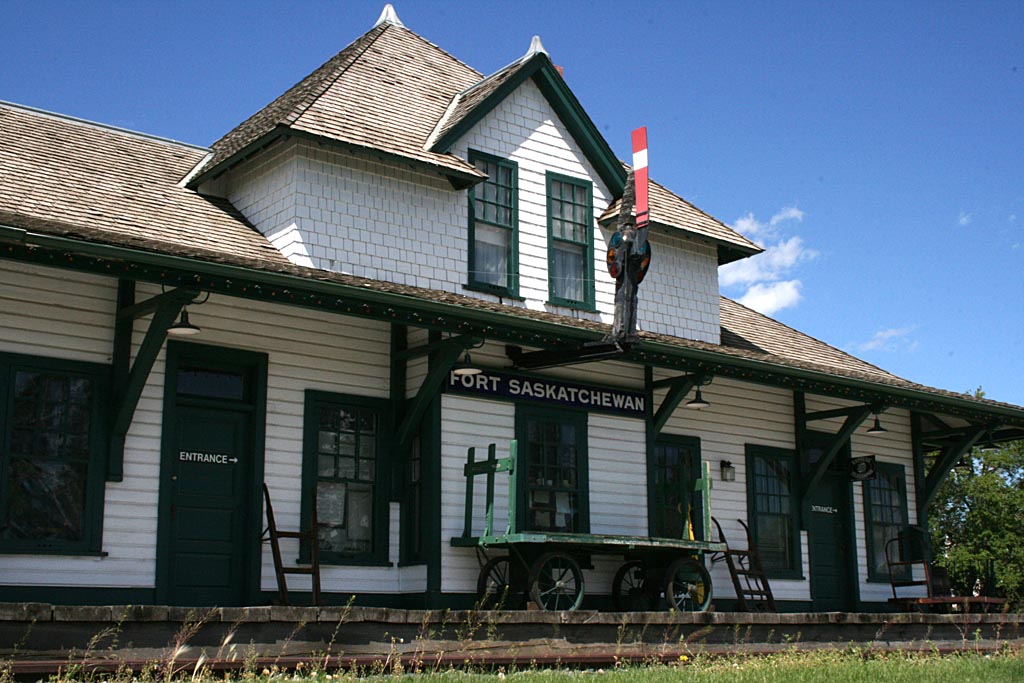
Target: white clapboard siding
895, 446
469, 423
739, 414
70, 315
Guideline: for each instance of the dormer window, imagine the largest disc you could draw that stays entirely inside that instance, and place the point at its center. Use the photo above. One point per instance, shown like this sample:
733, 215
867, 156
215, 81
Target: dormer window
493, 221
570, 241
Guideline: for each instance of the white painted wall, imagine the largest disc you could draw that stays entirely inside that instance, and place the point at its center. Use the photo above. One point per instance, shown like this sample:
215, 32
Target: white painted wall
70, 315
354, 213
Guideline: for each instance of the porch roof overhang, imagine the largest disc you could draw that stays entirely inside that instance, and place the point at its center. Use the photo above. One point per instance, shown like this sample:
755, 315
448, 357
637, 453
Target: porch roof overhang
67, 246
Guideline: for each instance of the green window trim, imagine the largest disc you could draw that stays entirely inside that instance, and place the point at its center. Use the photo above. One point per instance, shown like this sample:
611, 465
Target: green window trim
756, 492
880, 510
666, 520
66, 378
488, 212
575, 419
582, 206
316, 402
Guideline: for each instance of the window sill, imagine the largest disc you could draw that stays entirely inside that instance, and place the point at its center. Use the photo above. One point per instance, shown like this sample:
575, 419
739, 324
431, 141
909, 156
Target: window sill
785, 576
347, 561
575, 305
500, 293
55, 552
412, 563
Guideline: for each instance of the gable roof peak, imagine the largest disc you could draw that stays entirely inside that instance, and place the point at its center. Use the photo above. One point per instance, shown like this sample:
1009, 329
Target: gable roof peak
535, 47
389, 16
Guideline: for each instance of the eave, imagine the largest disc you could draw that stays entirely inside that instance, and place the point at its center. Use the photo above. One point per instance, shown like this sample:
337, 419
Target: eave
315, 289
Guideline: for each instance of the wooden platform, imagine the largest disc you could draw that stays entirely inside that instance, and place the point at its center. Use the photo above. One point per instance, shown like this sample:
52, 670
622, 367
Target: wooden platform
34, 635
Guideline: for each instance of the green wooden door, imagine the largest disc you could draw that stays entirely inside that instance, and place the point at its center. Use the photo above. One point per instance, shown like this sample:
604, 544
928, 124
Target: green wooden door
829, 538
209, 511
209, 502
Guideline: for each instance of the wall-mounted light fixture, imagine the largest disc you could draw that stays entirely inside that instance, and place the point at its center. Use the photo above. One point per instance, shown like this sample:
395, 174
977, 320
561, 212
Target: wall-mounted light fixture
698, 402
728, 471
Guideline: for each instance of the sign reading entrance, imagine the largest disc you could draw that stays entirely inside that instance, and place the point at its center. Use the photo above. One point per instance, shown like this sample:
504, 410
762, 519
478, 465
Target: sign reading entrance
212, 458
544, 390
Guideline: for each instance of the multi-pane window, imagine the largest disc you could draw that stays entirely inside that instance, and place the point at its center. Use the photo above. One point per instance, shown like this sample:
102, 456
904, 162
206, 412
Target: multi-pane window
771, 499
343, 460
885, 513
553, 448
675, 510
493, 223
52, 455
570, 256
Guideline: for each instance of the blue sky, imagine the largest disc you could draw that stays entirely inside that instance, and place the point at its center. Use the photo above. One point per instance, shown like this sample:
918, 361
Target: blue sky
874, 148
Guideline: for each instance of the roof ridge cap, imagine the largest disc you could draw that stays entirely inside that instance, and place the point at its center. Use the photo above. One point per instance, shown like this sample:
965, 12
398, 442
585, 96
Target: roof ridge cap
98, 124
812, 337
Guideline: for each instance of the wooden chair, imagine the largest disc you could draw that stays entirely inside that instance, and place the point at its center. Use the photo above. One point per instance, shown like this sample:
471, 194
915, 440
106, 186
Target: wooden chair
753, 592
273, 535
936, 581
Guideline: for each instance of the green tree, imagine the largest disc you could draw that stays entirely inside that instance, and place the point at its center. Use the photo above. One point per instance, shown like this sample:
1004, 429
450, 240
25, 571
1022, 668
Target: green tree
976, 518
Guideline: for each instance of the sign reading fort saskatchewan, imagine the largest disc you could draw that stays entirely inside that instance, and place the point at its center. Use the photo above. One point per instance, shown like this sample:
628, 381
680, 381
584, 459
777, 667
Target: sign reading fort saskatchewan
545, 390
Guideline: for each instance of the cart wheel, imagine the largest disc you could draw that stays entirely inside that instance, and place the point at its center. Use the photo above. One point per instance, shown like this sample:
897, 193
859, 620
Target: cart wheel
556, 583
494, 589
631, 590
687, 586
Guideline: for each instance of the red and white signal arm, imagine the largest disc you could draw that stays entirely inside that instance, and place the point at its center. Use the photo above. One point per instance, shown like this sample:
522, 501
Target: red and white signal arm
640, 176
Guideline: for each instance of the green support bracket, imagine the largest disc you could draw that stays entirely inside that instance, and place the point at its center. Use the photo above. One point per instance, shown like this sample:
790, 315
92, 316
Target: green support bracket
678, 390
838, 441
441, 362
121, 362
947, 458
125, 402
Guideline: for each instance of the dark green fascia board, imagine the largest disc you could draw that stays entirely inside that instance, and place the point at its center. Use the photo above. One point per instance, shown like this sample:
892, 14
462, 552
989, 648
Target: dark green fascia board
459, 180
565, 104
947, 458
308, 292
701, 361
285, 288
841, 438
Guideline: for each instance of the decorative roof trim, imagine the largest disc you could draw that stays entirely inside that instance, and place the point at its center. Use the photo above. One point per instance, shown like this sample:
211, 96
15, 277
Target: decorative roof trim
569, 110
320, 289
389, 16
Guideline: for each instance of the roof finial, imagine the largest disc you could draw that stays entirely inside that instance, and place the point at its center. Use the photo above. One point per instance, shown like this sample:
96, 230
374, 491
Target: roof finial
389, 16
535, 47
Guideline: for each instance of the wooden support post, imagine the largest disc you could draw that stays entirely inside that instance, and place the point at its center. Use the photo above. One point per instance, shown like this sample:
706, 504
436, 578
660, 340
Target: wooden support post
396, 389
678, 391
121, 361
917, 448
170, 304
838, 441
441, 364
703, 486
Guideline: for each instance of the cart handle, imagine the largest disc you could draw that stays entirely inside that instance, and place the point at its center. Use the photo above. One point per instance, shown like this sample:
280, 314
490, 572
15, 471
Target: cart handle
490, 467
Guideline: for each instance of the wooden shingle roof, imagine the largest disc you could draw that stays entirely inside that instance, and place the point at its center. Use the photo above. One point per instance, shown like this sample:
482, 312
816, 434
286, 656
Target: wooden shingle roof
385, 91
669, 210
59, 171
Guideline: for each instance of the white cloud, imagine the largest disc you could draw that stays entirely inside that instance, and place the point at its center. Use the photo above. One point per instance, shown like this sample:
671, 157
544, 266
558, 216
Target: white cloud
773, 264
790, 213
892, 339
1013, 218
965, 218
767, 298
